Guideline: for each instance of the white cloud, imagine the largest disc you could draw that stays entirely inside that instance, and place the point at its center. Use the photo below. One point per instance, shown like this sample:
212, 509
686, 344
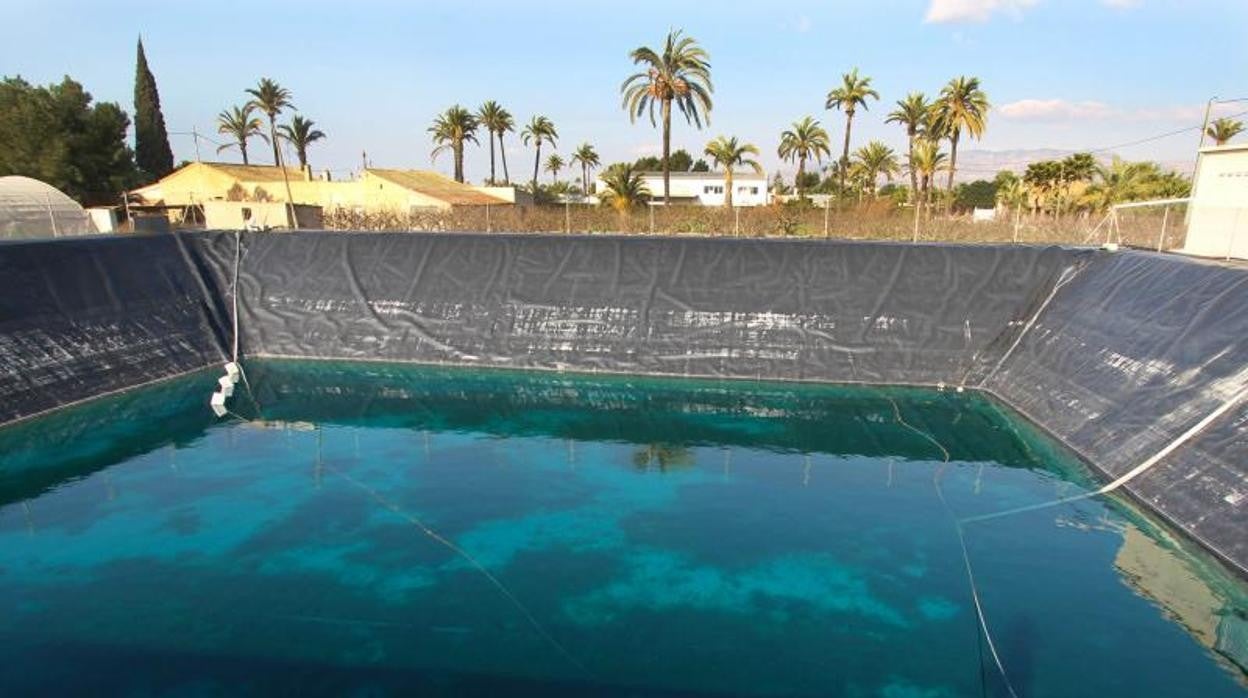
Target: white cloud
1054, 110
943, 11
803, 24
947, 11
1066, 110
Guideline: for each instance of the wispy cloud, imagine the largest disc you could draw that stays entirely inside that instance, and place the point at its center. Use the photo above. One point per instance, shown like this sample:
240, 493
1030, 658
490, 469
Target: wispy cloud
1052, 110
1055, 110
947, 11
950, 11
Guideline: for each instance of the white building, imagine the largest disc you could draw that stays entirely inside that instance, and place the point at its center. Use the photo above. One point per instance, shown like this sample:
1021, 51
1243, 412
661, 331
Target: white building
706, 188
1218, 213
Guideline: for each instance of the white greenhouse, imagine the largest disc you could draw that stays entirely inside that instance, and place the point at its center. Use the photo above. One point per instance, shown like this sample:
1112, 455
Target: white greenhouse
32, 209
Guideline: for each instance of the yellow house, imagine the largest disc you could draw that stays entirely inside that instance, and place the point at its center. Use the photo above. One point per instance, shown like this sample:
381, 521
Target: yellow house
398, 191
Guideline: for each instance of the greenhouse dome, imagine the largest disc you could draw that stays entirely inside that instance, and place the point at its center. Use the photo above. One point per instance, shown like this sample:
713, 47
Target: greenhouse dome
33, 209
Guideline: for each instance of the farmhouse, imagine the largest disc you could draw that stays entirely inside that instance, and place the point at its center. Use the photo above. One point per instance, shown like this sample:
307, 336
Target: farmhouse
706, 188
188, 188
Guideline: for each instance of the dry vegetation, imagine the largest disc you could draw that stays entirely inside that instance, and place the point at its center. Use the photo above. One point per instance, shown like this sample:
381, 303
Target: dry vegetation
864, 223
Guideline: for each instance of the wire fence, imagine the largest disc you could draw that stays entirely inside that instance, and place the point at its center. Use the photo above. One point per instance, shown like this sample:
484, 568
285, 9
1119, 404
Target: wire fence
1143, 228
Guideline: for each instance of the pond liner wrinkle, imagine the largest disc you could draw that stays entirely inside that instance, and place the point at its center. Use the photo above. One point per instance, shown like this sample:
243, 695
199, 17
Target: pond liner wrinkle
1118, 355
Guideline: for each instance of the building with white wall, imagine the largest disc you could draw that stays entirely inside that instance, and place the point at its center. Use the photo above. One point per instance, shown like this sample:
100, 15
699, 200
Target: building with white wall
1218, 213
706, 188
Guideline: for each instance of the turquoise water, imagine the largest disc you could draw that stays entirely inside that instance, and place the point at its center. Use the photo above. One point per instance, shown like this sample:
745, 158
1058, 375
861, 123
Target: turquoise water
388, 530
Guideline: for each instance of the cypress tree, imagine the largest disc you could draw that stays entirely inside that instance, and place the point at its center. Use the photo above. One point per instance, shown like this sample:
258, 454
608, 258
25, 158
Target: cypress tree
151, 142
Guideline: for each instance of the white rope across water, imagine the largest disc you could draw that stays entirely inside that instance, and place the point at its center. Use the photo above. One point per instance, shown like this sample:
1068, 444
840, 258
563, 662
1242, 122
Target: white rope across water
966, 557
1130, 474
453, 547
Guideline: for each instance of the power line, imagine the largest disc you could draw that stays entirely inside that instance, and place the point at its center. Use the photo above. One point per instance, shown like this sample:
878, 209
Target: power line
1160, 136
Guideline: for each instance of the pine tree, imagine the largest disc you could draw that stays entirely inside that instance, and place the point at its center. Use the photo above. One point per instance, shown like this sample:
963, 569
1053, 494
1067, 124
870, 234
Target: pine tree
151, 142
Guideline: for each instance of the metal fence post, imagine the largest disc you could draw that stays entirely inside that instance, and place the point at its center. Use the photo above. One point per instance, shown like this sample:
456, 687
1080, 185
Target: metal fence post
652, 218
826, 208
918, 210
736, 221
567, 217
1165, 217
488, 227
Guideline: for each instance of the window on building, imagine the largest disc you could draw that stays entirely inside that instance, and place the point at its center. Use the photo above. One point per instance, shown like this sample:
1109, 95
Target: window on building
747, 190
713, 189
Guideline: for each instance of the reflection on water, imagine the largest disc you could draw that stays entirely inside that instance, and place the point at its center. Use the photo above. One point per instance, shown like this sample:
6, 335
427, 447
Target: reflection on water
745, 538
1195, 598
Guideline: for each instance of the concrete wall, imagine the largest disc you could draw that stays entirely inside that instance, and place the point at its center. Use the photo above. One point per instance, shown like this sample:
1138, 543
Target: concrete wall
1218, 223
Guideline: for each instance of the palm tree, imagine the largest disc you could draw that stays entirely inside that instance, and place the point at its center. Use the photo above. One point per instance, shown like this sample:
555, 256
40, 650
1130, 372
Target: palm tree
1223, 130
962, 105
539, 130
587, 157
680, 74
876, 159
1118, 182
729, 153
913, 113
506, 124
623, 188
271, 98
554, 164
495, 120
299, 133
805, 141
927, 161
450, 130
1013, 194
239, 124
852, 93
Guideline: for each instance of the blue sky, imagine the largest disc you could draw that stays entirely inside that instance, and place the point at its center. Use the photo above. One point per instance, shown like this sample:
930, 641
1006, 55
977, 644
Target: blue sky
1060, 73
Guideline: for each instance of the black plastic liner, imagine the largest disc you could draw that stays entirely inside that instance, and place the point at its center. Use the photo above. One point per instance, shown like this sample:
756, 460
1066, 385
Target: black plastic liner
89, 316
1117, 354
795, 310
1131, 354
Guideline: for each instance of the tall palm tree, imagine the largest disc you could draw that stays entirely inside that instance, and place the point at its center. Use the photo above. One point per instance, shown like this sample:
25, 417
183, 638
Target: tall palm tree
912, 113
729, 153
450, 130
623, 188
554, 164
876, 159
851, 94
539, 130
587, 158
239, 124
962, 106
680, 74
506, 124
495, 120
1223, 130
271, 98
806, 140
299, 133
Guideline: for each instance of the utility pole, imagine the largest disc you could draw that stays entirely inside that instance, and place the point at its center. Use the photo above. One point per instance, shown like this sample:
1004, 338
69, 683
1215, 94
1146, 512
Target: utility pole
195, 137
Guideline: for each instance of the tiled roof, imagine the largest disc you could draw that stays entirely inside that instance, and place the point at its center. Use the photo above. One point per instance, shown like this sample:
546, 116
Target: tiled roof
255, 173
439, 187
